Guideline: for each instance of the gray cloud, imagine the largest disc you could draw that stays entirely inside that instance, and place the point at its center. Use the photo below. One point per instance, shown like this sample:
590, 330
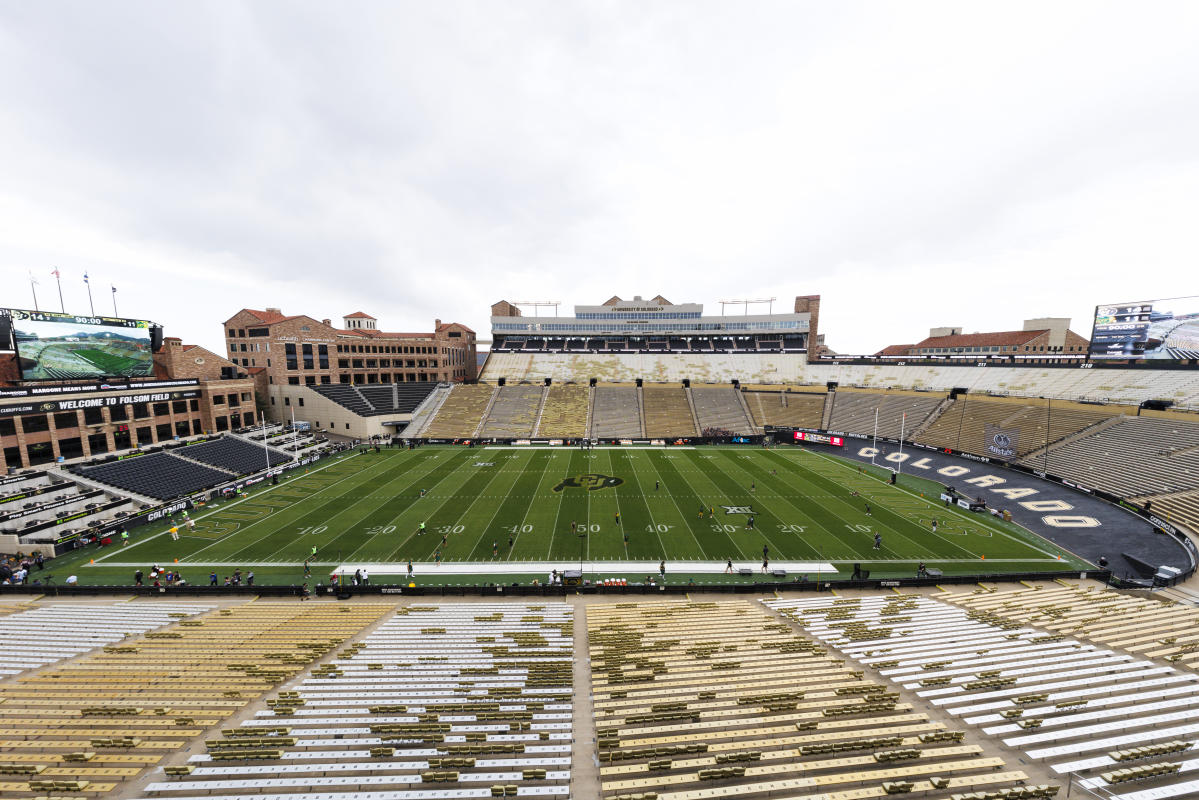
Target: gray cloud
924, 164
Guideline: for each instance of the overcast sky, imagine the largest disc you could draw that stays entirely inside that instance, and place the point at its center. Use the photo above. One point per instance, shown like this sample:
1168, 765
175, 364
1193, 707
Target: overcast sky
917, 164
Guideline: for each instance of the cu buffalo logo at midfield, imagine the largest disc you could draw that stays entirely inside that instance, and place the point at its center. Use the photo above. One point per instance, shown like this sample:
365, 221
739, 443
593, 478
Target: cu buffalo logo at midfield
591, 481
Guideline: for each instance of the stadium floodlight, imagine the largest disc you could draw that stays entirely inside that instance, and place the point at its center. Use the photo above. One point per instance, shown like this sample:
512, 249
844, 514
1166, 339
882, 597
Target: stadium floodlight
748, 303
538, 304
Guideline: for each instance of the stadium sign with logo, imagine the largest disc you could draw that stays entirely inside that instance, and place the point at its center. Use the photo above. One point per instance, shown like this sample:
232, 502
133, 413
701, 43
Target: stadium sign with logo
1002, 442
52, 406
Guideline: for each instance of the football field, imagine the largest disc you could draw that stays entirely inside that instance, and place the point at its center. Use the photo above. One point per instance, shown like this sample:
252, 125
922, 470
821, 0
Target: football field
482, 506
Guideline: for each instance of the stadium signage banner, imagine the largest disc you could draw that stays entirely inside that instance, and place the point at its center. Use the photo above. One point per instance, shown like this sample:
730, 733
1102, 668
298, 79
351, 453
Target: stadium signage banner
819, 438
52, 406
82, 388
26, 477
49, 506
34, 492
1002, 442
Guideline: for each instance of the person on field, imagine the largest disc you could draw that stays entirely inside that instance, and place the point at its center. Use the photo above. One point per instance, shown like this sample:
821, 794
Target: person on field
878, 541
934, 526
662, 568
495, 549
174, 533
421, 530
728, 568
410, 569
618, 518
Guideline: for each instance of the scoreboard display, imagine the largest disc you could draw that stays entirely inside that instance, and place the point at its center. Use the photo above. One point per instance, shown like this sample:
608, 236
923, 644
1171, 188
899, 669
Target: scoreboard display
54, 346
1158, 329
819, 438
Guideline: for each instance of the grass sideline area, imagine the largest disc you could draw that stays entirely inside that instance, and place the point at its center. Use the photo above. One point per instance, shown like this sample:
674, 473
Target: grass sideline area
486, 505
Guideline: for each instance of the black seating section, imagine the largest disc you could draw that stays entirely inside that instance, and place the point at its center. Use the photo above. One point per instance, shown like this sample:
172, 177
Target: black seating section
235, 455
373, 400
158, 475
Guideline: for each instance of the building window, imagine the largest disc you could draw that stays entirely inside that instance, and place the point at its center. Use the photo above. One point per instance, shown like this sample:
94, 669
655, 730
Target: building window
195, 404
67, 419
98, 443
163, 431
118, 413
294, 380
93, 416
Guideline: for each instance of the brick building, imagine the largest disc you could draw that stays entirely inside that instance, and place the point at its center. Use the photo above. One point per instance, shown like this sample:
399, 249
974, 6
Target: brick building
194, 391
301, 350
1039, 337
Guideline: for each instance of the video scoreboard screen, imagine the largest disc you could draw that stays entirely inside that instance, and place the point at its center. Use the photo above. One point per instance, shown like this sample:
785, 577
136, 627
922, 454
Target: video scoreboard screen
54, 346
819, 438
1159, 329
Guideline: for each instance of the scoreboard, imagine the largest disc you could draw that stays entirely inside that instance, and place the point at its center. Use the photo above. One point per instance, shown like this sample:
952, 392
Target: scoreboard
1166, 329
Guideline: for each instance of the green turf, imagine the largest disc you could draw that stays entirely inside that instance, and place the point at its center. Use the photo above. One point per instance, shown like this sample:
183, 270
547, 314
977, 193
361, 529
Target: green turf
367, 509
111, 363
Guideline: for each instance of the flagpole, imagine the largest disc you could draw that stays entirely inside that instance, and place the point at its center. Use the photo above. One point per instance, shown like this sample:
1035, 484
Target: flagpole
33, 288
872, 455
114, 302
88, 284
58, 278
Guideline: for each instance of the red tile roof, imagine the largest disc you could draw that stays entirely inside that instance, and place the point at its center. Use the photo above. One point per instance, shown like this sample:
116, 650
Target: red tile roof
445, 325
359, 315
895, 350
269, 317
1000, 338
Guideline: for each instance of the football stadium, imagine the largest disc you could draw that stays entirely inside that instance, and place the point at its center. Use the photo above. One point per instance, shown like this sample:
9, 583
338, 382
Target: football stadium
643, 551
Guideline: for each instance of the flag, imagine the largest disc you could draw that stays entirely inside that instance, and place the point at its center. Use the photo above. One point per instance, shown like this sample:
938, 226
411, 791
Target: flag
54, 272
85, 280
114, 289
32, 279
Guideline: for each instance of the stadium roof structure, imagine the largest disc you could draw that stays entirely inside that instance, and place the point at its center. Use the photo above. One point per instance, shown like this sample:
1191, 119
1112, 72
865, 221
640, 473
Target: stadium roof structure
895, 350
270, 316
1001, 338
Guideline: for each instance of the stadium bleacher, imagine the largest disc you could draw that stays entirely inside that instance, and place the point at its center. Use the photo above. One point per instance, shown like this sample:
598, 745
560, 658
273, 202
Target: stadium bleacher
461, 413
720, 408
855, 411
794, 409
158, 475
718, 699
565, 412
232, 454
667, 412
1083, 710
1133, 456
376, 399
513, 414
616, 413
